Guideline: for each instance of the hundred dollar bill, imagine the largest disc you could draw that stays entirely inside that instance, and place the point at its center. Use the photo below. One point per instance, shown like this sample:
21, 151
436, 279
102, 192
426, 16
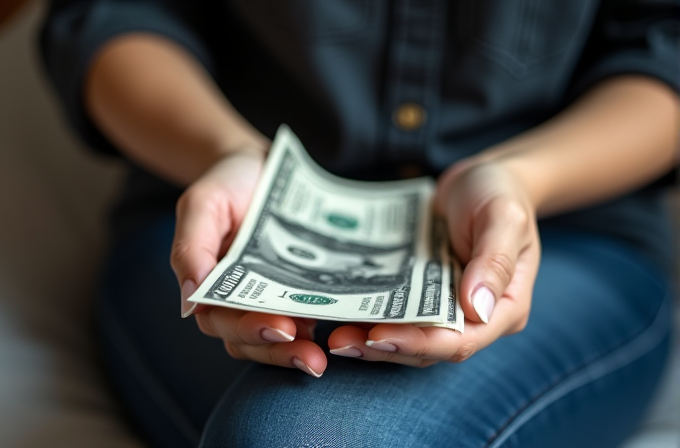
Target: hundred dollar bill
319, 246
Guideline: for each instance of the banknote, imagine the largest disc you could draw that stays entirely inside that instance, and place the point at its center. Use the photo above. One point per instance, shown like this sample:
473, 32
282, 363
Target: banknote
319, 246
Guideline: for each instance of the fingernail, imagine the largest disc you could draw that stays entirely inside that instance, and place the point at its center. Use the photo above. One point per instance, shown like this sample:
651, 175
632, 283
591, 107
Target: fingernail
305, 368
274, 335
188, 288
382, 345
483, 302
350, 351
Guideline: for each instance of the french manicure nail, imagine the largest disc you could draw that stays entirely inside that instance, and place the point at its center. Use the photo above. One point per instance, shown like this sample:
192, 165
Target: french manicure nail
188, 288
350, 351
483, 302
305, 368
275, 335
382, 345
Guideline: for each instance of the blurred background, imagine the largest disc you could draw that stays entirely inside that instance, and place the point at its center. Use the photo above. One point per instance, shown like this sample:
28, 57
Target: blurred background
53, 200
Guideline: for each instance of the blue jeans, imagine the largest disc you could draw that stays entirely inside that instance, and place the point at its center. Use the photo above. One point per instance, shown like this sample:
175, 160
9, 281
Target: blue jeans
580, 375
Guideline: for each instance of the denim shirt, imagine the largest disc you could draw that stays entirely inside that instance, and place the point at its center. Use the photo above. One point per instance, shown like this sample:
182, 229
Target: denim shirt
374, 86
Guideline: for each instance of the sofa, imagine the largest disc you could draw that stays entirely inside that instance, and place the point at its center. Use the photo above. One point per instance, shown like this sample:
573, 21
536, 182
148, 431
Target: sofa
53, 201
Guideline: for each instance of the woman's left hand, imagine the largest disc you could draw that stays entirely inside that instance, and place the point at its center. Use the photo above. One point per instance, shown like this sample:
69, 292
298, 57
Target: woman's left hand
492, 227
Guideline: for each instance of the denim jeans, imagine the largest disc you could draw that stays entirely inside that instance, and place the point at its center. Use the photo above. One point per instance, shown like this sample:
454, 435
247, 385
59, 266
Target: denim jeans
580, 375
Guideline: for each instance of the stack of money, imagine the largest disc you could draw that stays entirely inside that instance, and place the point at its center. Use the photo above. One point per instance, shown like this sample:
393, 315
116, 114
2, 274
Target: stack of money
318, 246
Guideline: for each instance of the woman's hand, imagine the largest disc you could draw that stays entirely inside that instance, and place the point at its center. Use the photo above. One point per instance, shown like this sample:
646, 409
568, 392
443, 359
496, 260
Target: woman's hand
618, 136
208, 215
492, 228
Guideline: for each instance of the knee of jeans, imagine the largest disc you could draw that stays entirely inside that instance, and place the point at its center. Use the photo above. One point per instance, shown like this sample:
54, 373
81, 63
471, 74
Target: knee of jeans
291, 431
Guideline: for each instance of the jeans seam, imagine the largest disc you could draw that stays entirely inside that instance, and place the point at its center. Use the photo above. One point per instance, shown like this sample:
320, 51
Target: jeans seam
625, 354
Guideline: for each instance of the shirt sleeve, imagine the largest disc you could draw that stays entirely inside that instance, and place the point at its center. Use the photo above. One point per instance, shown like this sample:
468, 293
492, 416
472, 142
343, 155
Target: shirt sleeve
74, 30
633, 37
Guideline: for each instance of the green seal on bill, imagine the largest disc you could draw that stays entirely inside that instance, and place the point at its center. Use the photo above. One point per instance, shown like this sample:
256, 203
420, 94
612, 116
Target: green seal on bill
310, 299
342, 221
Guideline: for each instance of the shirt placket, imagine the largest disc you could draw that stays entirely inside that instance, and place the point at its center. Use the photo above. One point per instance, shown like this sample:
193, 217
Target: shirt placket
413, 77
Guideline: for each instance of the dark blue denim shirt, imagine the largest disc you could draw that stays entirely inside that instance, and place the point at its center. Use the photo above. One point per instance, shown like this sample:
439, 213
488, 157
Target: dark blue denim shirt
372, 86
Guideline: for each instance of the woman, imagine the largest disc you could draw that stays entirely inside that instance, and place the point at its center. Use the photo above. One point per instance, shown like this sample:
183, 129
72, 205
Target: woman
550, 118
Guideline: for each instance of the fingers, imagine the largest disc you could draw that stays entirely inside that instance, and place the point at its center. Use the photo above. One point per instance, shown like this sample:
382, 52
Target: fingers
502, 232
495, 292
243, 327
508, 282
265, 338
208, 215
300, 354
350, 341
421, 346
492, 229
202, 224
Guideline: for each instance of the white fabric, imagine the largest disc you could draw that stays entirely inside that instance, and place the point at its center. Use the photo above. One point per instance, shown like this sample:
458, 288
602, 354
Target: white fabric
52, 202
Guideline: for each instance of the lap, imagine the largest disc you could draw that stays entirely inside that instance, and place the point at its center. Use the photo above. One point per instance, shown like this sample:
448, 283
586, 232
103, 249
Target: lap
580, 374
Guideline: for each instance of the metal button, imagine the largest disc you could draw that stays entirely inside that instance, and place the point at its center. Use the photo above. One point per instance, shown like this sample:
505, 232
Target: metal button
409, 116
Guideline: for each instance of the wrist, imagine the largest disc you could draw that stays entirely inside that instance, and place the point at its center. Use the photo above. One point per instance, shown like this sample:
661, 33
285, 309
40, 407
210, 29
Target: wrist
482, 180
250, 147
532, 175
530, 178
233, 144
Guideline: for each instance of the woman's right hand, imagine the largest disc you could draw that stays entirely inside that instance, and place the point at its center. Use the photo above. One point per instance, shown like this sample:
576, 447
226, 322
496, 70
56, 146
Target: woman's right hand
208, 215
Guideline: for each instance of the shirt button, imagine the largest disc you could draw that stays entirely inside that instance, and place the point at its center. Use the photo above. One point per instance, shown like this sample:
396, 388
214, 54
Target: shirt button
409, 116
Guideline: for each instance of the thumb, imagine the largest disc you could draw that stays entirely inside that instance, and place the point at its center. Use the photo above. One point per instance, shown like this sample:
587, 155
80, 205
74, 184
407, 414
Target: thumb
496, 247
200, 231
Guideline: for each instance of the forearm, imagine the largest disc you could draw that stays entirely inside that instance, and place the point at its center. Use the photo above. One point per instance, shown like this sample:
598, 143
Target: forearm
617, 137
156, 103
